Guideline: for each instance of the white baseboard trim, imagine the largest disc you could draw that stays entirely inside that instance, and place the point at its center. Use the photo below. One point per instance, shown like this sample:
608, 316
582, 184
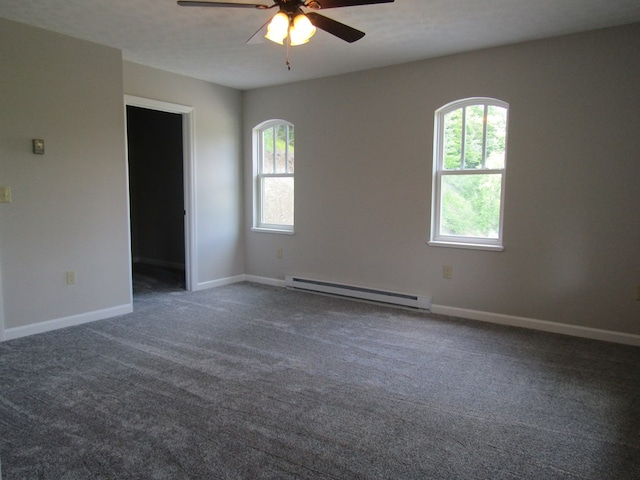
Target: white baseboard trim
542, 325
274, 282
240, 278
57, 323
509, 320
219, 282
497, 318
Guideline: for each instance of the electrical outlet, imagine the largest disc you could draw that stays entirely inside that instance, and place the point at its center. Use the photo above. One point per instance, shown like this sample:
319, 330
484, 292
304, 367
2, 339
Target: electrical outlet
71, 277
447, 272
5, 194
279, 253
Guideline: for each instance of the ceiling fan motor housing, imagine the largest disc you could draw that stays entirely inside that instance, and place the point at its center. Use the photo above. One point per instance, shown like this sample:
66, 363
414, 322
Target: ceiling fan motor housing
291, 7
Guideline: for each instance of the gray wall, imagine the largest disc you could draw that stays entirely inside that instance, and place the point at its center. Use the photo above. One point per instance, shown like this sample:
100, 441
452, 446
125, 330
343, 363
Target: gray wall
69, 209
363, 180
364, 156
218, 167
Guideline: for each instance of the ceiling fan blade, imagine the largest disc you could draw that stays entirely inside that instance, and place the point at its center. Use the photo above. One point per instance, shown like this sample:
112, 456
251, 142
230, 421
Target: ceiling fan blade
346, 3
340, 30
186, 3
258, 37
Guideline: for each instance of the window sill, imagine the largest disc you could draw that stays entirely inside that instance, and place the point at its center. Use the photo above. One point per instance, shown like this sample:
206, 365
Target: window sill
272, 230
469, 246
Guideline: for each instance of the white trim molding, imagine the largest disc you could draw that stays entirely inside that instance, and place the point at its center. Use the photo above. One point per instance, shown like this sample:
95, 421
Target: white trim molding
73, 320
189, 168
220, 282
541, 325
274, 282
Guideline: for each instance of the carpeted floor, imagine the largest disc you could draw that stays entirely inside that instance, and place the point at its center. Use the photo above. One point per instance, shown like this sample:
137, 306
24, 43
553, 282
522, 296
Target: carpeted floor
255, 382
155, 279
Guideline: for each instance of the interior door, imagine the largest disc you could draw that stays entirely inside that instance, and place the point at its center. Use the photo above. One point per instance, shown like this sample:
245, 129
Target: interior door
156, 192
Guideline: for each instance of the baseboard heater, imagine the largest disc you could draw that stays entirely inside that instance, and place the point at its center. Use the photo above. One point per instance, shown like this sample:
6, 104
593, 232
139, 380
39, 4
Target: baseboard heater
420, 302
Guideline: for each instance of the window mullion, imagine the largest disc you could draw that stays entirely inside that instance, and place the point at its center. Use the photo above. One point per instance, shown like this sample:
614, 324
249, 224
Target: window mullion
463, 138
261, 200
286, 150
274, 149
439, 161
276, 175
474, 171
485, 120
260, 153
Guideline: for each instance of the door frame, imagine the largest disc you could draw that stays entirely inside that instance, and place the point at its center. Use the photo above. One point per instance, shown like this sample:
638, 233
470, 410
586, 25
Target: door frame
188, 167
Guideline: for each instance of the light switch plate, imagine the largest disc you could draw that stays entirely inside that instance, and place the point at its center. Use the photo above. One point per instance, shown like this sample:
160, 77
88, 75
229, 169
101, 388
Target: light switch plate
38, 146
5, 194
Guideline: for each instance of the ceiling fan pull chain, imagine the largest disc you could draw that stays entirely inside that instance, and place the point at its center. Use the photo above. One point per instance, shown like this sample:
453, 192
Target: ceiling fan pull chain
288, 44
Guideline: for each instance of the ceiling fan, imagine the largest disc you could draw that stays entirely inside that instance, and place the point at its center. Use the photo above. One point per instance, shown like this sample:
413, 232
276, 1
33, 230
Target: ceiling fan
292, 24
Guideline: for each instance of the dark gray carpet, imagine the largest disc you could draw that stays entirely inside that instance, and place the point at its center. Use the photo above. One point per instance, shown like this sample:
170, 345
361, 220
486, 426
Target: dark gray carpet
256, 382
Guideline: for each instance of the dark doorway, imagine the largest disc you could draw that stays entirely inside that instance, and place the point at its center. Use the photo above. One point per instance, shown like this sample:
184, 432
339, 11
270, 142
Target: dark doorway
156, 193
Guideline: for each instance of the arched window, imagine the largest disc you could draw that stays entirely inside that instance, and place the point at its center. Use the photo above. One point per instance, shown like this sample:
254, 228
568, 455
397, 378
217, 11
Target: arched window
470, 157
273, 169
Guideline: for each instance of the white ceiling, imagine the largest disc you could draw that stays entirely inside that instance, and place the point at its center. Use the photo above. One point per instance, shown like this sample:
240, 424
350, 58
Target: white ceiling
209, 43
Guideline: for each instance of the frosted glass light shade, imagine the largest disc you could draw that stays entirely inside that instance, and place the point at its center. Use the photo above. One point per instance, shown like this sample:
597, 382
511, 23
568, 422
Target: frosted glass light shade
278, 28
301, 30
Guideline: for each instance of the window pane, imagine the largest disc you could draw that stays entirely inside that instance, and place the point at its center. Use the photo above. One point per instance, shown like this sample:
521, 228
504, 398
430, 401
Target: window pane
267, 150
277, 150
471, 205
496, 135
453, 140
474, 131
277, 201
281, 149
291, 141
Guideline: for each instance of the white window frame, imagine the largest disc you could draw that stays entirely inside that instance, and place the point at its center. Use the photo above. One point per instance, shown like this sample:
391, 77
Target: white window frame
259, 176
436, 239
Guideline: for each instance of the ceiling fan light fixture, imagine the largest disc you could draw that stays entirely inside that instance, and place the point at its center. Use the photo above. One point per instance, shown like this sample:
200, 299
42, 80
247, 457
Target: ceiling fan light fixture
278, 28
301, 30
